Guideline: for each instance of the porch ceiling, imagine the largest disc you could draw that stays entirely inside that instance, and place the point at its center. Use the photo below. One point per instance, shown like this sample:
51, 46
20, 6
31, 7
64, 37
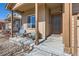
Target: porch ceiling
75, 8
55, 8
22, 7
53, 5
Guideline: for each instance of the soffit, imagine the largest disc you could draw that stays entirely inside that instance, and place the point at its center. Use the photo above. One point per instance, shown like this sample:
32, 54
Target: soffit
22, 7
53, 5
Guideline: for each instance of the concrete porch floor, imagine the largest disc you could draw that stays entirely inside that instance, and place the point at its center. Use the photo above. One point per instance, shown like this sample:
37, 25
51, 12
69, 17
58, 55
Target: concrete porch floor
53, 46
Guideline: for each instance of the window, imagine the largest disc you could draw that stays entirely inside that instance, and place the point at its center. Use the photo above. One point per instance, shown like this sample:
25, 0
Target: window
31, 21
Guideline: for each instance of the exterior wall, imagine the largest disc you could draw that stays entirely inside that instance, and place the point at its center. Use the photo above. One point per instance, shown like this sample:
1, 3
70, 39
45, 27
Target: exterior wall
73, 34
9, 21
54, 12
45, 25
77, 33
2, 26
41, 19
75, 29
24, 20
75, 7
9, 25
0, 30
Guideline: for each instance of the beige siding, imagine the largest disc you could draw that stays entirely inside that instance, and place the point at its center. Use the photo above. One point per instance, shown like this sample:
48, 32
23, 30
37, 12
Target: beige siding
78, 34
9, 25
24, 20
41, 21
73, 34
77, 28
72, 31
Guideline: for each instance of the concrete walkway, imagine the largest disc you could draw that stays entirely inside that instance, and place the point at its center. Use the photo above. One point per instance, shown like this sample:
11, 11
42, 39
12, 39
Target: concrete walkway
53, 46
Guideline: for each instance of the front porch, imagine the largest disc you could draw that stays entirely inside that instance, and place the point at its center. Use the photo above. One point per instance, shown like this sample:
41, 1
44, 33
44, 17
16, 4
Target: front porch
53, 46
59, 21
45, 26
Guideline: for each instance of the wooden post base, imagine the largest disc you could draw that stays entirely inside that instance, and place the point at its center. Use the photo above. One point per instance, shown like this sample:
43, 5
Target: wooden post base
68, 50
36, 42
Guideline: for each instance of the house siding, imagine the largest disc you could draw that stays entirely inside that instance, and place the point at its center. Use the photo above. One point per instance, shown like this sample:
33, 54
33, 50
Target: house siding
24, 20
45, 28
78, 33
41, 20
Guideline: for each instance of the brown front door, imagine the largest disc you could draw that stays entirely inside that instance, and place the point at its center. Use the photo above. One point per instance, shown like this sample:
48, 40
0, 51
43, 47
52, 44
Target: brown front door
56, 24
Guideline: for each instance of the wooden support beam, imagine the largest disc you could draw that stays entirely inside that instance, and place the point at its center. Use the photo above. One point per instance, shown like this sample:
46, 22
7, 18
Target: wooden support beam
12, 24
36, 16
70, 26
67, 17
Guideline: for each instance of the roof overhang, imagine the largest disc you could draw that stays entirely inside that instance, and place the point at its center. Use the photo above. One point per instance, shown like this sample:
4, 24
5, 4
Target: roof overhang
10, 6
22, 7
54, 5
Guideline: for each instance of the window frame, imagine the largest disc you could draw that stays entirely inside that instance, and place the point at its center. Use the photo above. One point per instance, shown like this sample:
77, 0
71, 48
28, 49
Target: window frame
28, 23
